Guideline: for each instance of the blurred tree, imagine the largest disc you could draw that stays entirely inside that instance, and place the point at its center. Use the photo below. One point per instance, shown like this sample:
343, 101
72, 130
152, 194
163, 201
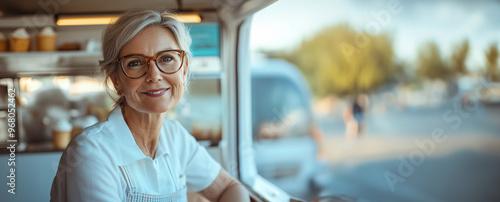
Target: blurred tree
492, 62
430, 64
342, 61
459, 56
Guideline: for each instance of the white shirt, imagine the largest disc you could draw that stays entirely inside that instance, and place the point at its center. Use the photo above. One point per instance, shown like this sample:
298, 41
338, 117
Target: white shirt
89, 167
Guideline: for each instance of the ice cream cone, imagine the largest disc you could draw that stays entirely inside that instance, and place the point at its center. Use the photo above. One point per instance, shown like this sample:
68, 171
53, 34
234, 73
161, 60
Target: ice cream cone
46, 39
19, 44
60, 139
46, 43
61, 134
19, 40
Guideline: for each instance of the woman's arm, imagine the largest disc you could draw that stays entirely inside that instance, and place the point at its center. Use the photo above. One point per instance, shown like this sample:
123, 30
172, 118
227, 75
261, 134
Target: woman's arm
225, 188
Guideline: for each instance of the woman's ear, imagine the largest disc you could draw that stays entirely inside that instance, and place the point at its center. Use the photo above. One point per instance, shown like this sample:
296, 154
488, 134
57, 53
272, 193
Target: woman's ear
116, 83
186, 67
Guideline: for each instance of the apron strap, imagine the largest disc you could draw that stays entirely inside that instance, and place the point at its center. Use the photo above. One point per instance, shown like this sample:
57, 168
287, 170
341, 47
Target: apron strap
128, 178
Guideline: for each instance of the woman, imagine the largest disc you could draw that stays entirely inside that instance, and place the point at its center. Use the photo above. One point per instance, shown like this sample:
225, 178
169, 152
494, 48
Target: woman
137, 154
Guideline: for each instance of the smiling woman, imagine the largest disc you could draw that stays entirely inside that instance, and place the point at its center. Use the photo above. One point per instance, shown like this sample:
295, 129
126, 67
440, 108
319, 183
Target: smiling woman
167, 87
137, 154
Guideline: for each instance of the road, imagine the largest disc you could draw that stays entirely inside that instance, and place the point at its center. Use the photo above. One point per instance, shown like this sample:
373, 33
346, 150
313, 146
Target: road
416, 154
415, 121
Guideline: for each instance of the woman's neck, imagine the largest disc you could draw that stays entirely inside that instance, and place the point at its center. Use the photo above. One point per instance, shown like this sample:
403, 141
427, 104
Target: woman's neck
145, 128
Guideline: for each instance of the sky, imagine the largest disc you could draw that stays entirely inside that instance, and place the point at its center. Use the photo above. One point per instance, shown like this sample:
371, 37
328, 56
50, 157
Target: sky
283, 25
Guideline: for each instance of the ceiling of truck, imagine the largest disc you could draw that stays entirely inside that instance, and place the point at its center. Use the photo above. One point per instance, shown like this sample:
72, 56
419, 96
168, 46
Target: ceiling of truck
19, 7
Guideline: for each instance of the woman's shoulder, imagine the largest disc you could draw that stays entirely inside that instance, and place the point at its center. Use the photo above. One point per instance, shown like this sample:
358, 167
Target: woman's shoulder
86, 165
94, 139
94, 133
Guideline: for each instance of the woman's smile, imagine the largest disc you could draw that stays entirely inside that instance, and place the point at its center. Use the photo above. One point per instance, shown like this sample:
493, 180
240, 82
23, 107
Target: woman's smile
156, 92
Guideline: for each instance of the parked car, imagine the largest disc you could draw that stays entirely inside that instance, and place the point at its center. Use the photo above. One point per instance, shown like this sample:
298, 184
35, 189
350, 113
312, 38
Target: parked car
283, 126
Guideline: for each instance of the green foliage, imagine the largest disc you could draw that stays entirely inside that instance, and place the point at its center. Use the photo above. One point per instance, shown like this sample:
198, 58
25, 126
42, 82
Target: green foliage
342, 61
430, 64
492, 62
459, 56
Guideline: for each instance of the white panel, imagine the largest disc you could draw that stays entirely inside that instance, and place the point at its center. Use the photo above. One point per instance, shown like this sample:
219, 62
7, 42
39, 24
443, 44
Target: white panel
81, 6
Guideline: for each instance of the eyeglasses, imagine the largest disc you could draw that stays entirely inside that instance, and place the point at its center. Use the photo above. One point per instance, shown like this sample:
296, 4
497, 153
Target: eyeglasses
136, 66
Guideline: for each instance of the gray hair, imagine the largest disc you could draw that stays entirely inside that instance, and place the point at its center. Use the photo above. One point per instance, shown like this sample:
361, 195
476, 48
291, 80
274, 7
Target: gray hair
127, 27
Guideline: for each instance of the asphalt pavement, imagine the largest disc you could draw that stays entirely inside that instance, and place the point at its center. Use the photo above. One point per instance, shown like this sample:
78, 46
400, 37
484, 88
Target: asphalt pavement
440, 153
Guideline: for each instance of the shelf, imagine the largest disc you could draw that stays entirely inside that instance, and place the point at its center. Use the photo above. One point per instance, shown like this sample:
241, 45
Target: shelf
37, 54
49, 63
27, 21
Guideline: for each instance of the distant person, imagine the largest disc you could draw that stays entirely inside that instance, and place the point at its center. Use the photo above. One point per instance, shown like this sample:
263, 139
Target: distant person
354, 117
137, 154
358, 114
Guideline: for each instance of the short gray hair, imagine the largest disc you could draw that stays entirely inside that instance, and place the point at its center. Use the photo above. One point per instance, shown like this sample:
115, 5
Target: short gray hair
127, 27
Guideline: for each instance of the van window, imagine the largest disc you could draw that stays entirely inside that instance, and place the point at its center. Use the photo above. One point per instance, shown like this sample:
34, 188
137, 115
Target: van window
278, 108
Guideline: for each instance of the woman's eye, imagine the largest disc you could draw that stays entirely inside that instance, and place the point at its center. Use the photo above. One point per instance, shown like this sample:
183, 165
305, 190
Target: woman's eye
166, 59
134, 63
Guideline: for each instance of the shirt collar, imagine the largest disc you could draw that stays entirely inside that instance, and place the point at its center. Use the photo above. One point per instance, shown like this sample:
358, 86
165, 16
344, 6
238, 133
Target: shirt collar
128, 151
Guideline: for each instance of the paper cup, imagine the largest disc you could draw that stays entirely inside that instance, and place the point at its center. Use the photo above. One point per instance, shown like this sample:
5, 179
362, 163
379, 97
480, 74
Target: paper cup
60, 139
46, 42
19, 44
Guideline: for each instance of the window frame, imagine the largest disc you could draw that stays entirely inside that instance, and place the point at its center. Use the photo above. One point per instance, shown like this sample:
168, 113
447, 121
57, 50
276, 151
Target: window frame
236, 96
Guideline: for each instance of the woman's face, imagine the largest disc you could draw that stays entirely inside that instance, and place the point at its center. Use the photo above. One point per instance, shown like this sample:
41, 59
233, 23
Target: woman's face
155, 92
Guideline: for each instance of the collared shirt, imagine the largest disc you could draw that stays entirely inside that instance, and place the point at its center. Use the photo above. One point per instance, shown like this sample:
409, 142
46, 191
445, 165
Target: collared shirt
89, 169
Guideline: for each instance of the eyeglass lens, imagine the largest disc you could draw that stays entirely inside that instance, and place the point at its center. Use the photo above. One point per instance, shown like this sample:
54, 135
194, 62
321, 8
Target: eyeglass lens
167, 62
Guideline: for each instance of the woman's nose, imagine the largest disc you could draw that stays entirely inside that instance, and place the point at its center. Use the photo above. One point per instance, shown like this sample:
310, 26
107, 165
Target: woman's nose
154, 73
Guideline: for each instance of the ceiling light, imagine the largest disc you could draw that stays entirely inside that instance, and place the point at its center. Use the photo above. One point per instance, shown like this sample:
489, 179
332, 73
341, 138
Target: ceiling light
104, 20
187, 18
85, 20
